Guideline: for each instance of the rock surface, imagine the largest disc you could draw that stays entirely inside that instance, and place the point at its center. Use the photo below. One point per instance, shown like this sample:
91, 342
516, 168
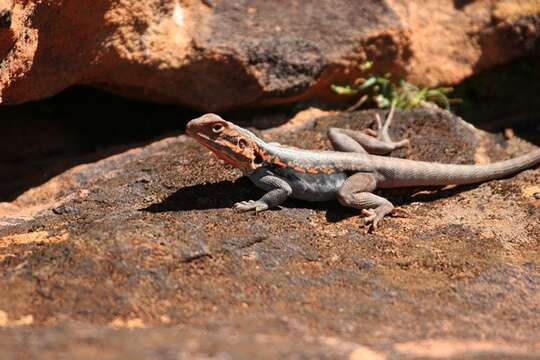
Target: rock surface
215, 54
139, 255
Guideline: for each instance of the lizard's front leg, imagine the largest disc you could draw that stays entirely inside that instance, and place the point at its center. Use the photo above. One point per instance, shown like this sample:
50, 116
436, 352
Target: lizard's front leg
356, 193
278, 190
367, 141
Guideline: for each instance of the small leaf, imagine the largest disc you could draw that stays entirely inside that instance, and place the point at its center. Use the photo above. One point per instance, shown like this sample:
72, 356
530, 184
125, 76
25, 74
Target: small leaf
343, 90
445, 90
438, 98
381, 101
366, 66
369, 82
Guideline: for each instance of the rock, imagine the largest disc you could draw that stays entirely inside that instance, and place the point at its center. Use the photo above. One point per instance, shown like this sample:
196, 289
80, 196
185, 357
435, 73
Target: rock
219, 55
164, 268
62, 210
364, 264
456, 349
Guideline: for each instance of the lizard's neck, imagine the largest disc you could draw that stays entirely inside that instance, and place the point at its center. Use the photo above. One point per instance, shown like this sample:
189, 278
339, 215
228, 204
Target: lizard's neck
268, 154
302, 161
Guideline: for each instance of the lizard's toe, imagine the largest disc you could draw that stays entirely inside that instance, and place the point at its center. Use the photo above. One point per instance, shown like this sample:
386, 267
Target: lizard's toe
250, 205
371, 219
401, 144
244, 205
369, 215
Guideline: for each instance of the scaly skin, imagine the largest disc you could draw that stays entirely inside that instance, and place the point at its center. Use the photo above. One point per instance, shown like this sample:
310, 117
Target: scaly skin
350, 174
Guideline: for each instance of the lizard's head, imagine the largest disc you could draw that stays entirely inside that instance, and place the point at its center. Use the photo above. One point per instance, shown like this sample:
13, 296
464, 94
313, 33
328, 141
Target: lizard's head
227, 141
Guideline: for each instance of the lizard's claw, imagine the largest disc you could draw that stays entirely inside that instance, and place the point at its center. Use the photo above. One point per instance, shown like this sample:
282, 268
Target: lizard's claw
402, 143
371, 218
250, 205
401, 213
378, 123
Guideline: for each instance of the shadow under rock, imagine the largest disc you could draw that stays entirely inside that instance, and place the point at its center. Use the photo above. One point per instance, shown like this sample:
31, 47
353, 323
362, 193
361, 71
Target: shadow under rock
506, 96
40, 140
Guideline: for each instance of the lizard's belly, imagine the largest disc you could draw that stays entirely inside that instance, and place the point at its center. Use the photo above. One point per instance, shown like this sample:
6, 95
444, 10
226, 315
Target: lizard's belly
312, 187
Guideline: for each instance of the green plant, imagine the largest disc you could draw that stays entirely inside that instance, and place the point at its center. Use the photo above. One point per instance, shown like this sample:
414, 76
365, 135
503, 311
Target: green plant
384, 93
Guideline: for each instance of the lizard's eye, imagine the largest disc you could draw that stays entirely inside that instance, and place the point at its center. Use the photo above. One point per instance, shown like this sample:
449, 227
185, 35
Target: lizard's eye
217, 128
242, 143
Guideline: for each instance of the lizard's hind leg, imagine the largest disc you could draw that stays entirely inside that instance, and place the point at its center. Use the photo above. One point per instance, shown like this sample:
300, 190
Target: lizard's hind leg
356, 193
366, 141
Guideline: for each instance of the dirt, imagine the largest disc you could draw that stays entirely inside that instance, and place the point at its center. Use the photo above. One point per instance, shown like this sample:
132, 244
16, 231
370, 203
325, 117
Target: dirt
140, 255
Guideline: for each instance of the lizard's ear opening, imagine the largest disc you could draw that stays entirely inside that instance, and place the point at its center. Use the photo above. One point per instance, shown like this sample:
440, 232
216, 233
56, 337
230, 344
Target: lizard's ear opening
242, 143
258, 158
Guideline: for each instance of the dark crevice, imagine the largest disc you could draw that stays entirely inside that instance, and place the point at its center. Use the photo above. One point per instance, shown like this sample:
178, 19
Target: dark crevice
506, 96
40, 140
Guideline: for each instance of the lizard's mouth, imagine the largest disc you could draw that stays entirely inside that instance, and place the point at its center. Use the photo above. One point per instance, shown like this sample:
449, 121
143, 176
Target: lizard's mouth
222, 152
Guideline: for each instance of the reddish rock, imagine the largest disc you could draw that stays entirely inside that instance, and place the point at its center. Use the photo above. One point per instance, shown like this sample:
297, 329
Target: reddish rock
216, 55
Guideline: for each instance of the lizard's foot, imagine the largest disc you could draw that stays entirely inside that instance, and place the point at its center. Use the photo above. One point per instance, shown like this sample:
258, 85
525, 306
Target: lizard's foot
382, 131
251, 205
371, 218
375, 141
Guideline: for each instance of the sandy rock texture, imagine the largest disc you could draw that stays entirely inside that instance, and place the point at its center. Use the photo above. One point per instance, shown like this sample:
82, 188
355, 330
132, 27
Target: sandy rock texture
139, 255
215, 54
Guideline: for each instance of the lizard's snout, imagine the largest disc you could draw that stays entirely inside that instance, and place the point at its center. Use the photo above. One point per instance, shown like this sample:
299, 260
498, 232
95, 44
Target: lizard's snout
192, 126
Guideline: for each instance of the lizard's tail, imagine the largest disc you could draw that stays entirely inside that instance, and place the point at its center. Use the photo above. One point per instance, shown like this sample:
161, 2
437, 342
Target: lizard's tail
412, 173
507, 167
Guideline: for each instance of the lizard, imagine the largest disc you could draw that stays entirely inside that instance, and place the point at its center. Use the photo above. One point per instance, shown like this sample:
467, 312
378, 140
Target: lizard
350, 173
